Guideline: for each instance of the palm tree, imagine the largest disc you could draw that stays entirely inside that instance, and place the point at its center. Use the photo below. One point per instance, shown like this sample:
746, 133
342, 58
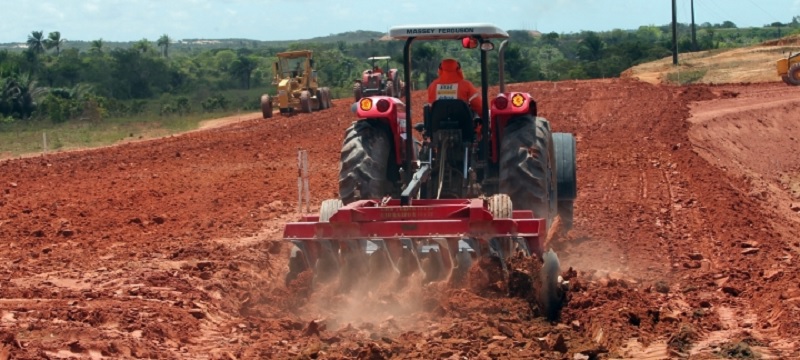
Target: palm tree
143, 45
19, 95
97, 46
54, 40
36, 42
164, 41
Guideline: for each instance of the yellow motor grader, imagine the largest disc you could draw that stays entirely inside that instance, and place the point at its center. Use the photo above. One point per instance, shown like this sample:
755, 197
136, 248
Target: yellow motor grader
298, 86
789, 69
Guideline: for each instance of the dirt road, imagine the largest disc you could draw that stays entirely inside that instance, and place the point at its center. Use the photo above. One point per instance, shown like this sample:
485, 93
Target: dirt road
686, 242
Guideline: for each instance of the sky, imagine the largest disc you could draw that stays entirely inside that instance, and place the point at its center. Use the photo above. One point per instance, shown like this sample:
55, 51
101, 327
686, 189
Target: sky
131, 20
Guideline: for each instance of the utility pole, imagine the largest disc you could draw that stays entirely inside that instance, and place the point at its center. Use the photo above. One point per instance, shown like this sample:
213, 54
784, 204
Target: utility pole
674, 33
694, 30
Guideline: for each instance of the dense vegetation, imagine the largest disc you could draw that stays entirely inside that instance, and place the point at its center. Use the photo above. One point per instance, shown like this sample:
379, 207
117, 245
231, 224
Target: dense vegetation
56, 80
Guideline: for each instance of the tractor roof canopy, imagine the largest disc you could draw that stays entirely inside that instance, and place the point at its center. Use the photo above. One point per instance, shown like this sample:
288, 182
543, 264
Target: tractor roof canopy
447, 31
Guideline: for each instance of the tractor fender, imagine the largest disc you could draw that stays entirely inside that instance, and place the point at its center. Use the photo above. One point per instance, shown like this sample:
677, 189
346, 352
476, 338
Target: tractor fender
519, 103
393, 116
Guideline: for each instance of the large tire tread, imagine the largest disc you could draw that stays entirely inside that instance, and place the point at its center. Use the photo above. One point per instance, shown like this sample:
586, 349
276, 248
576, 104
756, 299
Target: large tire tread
565, 165
526, 159
266, 106
364, 162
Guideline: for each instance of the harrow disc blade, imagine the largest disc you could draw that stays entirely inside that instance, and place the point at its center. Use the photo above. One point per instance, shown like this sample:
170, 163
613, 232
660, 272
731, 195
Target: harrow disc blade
551, 295
297, 264
354, 263
459, 275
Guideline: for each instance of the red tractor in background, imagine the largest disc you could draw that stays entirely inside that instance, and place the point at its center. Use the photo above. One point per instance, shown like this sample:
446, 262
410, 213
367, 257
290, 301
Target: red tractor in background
378, 81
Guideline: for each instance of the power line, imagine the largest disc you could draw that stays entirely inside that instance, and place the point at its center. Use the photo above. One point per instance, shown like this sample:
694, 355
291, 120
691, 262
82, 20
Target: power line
762, 10
725, 16
711, 10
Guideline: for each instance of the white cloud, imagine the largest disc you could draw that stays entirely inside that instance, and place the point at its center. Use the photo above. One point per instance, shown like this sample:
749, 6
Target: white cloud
51, 10
91, 7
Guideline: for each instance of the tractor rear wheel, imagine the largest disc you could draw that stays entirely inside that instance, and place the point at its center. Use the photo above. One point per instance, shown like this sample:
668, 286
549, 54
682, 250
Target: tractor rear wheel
305, 102
794, 74
526, 166
390, 88
364, 162
266, 106
357, 91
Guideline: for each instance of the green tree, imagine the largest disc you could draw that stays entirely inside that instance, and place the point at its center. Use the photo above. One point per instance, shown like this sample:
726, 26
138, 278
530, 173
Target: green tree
144, 46
97, 46
67, 69
136, 75
425, 60
163, 43
591, 47
36, 42
19, 95
224, 59
54, 40
551, 38
242, 69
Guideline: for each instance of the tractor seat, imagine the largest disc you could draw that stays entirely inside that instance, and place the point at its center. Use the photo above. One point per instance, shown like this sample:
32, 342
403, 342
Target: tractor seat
452, 114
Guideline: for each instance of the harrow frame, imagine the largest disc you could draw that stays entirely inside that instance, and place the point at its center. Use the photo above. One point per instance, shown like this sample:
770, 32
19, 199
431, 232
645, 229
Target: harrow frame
395, 227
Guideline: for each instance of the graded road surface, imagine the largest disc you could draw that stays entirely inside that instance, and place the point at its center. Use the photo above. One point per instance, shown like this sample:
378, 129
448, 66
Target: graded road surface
686, 242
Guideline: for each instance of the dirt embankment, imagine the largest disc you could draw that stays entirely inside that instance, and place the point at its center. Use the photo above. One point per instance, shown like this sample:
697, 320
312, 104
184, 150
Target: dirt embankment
685, 242
755, 64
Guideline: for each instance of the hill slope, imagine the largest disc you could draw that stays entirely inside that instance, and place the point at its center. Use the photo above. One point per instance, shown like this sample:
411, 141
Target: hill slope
752, 64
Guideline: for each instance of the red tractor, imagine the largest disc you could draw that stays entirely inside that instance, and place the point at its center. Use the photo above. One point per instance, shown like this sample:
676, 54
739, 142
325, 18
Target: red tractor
378, 81
476, 186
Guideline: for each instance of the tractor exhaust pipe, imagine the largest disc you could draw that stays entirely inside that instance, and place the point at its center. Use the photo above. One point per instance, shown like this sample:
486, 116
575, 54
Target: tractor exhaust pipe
501, 62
